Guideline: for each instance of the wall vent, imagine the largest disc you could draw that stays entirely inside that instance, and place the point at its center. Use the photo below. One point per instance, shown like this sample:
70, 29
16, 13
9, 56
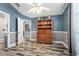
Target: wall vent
17, 4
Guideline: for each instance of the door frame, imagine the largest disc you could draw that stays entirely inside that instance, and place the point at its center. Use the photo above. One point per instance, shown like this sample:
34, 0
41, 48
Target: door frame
23, 25
8, 32
18, 42
29, 25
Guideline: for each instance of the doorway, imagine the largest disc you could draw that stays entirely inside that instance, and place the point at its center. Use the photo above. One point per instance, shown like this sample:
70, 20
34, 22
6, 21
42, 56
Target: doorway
24, 30
27, 29
4, 29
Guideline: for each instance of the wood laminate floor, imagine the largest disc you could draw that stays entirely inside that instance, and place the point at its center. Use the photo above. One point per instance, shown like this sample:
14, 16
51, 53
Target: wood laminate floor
32, 48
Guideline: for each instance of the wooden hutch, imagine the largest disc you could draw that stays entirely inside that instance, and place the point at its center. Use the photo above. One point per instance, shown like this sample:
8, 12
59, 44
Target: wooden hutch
44, 32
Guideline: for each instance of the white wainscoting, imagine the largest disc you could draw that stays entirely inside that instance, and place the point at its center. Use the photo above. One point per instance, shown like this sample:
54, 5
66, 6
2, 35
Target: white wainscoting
12, 39
58, 36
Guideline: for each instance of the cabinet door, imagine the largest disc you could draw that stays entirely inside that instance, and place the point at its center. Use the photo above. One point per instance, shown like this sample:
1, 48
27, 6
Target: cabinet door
41, 37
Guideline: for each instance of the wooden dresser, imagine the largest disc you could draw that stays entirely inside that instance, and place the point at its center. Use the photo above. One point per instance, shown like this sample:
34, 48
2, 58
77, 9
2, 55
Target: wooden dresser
44, 32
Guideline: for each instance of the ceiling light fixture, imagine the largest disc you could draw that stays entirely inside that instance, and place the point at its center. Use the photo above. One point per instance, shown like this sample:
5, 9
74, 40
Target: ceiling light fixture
37, 8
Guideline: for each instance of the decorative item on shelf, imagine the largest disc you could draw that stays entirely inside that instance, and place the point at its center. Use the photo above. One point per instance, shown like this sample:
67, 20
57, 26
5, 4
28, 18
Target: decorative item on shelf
43, 18
3, 29
6, 25
44, 22
49, 17
38, 18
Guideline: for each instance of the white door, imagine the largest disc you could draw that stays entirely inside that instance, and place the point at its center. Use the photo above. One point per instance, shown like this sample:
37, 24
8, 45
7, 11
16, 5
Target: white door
20, 30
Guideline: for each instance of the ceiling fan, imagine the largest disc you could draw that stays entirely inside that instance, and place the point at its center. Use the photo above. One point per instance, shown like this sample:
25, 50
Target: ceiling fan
37, 8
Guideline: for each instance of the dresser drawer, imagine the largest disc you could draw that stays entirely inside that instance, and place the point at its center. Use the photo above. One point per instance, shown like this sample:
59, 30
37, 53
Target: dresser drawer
40, 31
48, 31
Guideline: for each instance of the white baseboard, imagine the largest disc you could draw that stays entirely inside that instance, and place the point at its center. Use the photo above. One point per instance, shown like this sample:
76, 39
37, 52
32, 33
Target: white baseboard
33, 39
61, 42
11, 45
55, 42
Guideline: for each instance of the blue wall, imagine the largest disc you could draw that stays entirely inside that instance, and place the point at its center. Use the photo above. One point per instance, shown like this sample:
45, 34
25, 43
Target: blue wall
6, 7
57, 23
34, 23
66, 19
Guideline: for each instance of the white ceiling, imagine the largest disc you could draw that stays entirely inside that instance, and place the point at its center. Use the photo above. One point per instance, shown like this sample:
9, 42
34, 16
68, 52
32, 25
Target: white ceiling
56, 9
